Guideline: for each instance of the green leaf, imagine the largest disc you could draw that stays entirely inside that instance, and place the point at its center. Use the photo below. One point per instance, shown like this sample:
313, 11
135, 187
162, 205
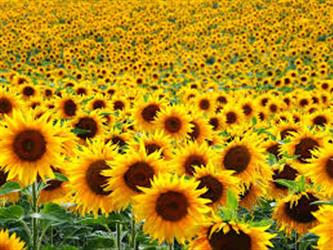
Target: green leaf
323, 203
11, 213
232, 201
9, 187
54, 214
60, 177
287, 183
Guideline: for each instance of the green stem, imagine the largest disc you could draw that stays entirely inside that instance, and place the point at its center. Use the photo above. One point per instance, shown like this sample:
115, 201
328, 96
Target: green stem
34, 219
133, 233
118, 236
171, 246
41, 237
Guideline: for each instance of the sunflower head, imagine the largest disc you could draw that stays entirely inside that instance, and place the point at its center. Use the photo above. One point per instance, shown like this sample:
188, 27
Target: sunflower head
170, 203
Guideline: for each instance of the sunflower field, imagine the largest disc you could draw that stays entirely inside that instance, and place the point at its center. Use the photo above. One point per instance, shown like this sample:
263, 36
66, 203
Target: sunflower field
166, 124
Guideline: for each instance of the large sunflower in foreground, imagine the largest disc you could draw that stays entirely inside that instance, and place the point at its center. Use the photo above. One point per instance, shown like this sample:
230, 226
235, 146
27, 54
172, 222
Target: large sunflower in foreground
217, 183
245, 157
171, 208
10, 242
232, 236
320, 169
28, 147
324, 230
87, 179
294, 212
174, 121
131, 171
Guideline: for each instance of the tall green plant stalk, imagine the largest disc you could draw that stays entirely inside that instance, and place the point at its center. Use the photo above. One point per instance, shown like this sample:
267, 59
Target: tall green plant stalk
34, 223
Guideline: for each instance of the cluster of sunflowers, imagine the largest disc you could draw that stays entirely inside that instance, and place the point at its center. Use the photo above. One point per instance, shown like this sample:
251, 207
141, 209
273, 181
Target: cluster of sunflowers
191, 116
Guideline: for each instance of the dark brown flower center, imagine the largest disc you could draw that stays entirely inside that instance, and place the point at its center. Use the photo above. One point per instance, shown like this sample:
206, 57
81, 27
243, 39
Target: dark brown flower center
302, 212
222, 99
94, 178
288, 173
247, 109
231, 117
193, 160
172, 124
304, 147
117, 140
52, 185
229, 241
149, 113
320, 120
70, 108
172, 206
152, 147
194, 134
81, 91
139, 174
237, 158
204, 104
214, 122
118, 105
215, 188
329, 167
29, 145
274, 150
3, 177
287, 132
98, 104
28, 91
89, 127
5, 106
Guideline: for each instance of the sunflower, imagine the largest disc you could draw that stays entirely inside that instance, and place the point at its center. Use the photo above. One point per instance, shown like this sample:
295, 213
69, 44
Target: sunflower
11, 197
28, 91
131, 171
294, 212
174, 121
232, 235
201, 129
10, 242
29, 147
153, 142
302, 145
245, 157
171, 208
320, 169
324, 230
98, 102
217, 183
248, 107
87, 179
204, 103
252, 193
55, 190
319, 118
88, 126
285, 172
145, 113
8, 102
68, 106
190, 155
232, 115
216, 122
